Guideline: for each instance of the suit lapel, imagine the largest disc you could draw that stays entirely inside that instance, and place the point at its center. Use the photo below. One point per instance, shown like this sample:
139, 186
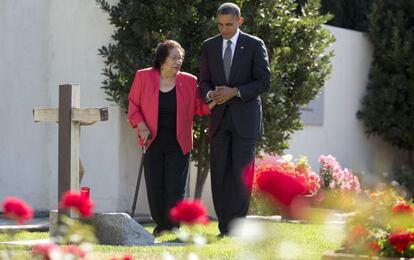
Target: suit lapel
237, 57
220, 66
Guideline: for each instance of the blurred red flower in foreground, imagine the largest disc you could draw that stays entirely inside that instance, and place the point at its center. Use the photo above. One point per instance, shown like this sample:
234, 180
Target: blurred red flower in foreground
17, 209
373, 248
357, 234
75, 200
44, 250
74, 250
402, 207
189, 212
282, 187
400, 241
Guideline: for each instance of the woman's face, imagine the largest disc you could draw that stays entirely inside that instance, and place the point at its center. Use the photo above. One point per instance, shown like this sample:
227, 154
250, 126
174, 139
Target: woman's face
173, 62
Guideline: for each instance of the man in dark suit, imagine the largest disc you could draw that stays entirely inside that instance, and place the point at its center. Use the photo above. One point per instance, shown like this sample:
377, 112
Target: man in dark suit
234, 72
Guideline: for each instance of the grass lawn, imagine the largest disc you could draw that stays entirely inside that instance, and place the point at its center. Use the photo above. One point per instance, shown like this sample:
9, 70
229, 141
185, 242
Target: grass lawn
281, 241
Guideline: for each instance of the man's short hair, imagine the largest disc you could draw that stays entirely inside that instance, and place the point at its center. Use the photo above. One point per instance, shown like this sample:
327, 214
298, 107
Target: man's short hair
229, 8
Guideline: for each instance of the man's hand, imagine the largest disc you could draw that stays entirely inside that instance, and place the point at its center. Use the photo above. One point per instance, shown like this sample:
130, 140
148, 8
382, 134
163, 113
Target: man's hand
212, 104
213, 95
223, 93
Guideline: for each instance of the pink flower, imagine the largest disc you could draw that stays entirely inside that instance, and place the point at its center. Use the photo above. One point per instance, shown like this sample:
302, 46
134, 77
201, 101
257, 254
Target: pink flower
17, 209
333, 177
75, 200
189, 212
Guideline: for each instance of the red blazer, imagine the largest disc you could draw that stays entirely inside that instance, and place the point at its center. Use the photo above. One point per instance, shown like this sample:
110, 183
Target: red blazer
144, 98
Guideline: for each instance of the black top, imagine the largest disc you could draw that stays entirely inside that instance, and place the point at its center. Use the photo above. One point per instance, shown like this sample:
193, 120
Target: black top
167, 113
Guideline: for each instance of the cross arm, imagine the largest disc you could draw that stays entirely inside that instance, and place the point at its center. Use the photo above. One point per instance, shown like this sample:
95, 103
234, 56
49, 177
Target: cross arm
83, 115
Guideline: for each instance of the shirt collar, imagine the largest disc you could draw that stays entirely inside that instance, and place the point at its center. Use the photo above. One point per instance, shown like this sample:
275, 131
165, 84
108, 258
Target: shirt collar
232, 39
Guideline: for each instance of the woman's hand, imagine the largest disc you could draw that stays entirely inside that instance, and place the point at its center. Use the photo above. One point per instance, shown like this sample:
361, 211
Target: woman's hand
212, 104
143, 132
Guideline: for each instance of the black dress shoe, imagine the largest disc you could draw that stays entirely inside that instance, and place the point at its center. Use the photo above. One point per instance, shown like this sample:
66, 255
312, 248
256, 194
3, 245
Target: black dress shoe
222, 235
157, 231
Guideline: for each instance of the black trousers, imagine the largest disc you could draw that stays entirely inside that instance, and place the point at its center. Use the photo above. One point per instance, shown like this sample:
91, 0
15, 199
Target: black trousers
230, 155
166, 170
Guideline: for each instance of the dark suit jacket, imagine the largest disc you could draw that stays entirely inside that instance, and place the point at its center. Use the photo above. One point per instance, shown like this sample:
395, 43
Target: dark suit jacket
250, 73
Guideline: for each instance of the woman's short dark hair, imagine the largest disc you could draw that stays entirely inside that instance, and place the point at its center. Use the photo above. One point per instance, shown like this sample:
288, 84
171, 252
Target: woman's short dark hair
163, 50
229, 8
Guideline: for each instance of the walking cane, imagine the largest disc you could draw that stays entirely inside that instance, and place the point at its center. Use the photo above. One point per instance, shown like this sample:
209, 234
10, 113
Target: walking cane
141, 167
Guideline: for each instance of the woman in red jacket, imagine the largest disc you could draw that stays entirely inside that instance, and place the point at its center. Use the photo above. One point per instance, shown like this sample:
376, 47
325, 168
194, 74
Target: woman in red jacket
162, 103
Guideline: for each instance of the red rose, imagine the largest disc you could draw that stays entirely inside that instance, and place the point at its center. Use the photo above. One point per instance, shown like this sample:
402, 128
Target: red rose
281, 186
402, 207
44, 250
17, 209
75, 200
189, 212
400, 241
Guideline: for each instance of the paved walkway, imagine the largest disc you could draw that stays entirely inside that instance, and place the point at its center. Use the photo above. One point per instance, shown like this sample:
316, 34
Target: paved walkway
41, 223
27, 242
37, 224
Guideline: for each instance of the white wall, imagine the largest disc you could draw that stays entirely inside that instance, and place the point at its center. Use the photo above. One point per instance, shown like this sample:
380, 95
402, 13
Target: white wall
76, 30
47, 43
44, 44
23, 83
342, 134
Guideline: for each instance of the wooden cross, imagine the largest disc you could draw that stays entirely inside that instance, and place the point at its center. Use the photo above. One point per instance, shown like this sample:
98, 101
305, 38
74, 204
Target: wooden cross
70, 117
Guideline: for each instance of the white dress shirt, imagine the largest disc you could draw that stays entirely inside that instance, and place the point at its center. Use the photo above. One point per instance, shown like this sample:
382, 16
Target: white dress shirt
233, 44
233, 47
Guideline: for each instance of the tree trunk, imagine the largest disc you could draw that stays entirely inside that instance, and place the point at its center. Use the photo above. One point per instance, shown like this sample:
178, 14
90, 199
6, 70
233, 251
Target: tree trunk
410, 158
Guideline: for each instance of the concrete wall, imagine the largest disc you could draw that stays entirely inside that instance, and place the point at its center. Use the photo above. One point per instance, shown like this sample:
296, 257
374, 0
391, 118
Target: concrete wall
47, 43
341, 134
44, 44
24, 148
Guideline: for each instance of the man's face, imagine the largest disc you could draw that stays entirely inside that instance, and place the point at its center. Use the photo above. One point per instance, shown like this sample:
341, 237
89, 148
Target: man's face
228, 24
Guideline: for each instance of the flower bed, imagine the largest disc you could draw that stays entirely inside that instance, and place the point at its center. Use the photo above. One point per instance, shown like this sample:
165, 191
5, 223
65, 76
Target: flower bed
383, 226
293, 188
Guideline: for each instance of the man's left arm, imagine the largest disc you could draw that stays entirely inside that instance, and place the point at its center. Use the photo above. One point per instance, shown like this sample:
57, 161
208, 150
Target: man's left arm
205, 76
261, 75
